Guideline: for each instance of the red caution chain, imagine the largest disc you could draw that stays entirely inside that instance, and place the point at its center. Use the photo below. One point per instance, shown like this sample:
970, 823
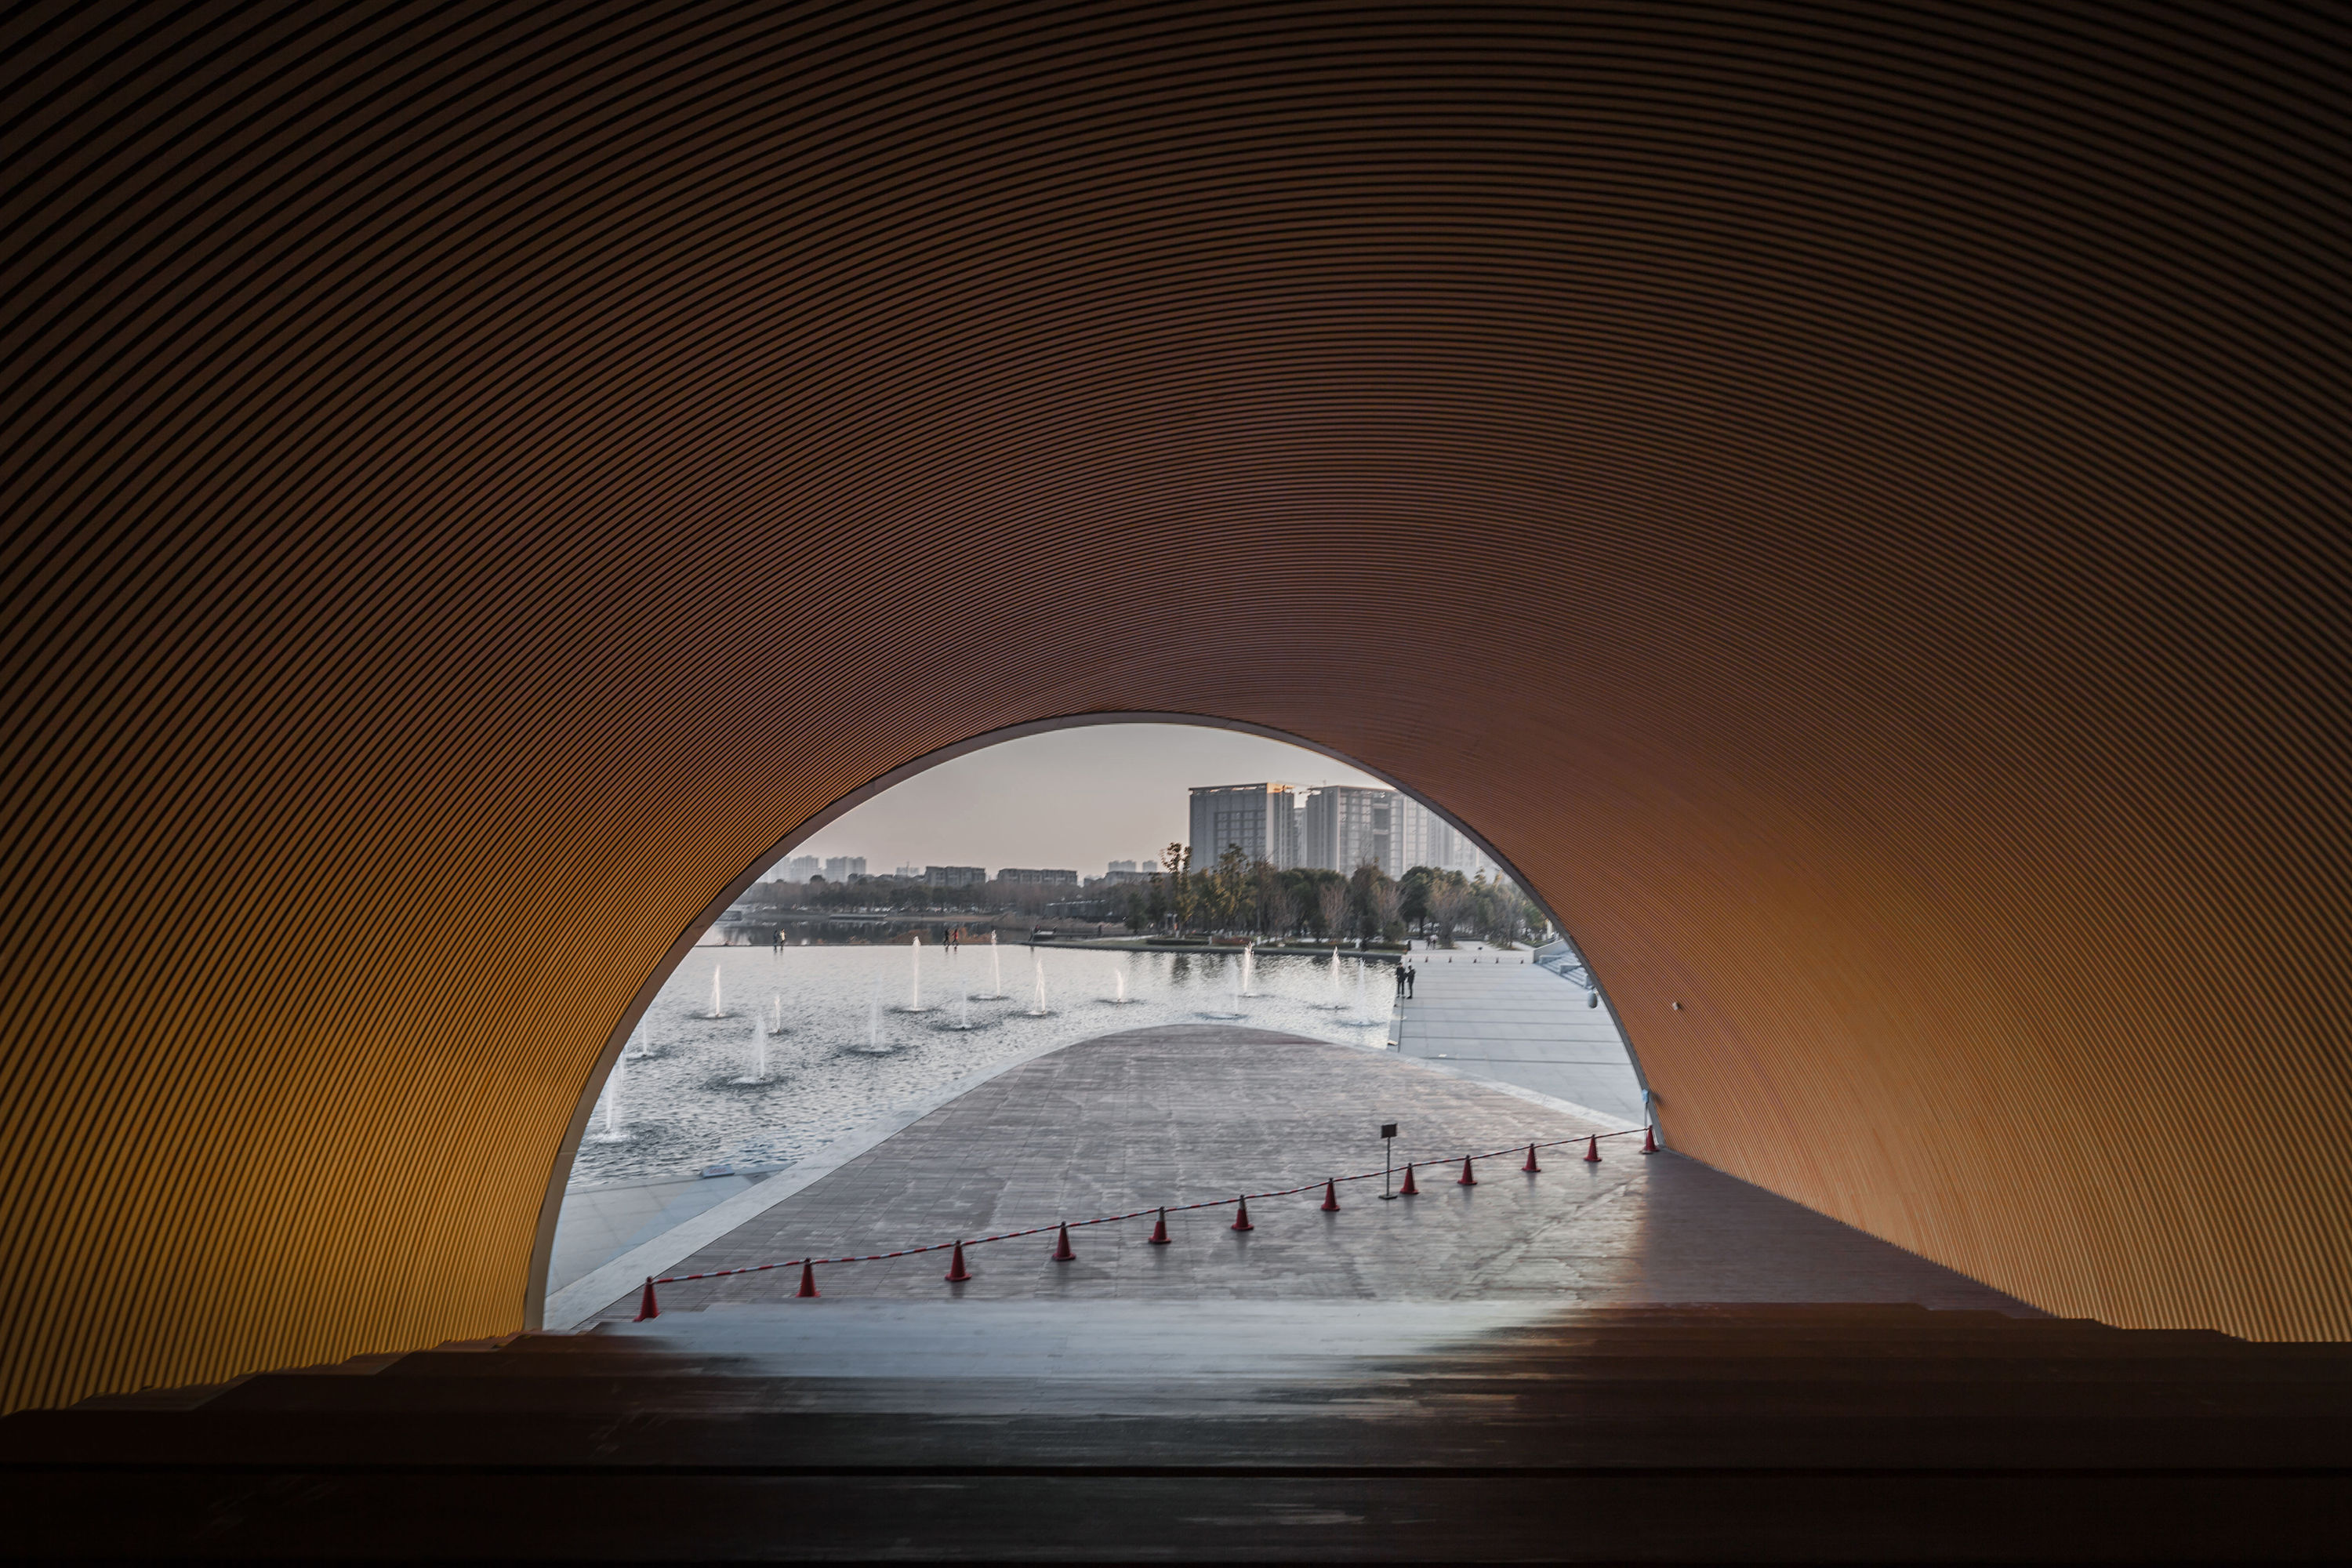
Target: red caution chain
647, 1308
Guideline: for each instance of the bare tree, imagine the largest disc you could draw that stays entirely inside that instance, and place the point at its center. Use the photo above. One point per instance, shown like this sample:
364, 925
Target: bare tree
1265, 881
1387, 901
1332, 898
1511, 912
1229, 886
1447, 902
1176, 864
1281, 908
1368, 877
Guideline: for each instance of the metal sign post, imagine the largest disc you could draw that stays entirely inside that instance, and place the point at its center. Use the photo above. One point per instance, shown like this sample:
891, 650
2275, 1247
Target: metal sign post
1387, 1151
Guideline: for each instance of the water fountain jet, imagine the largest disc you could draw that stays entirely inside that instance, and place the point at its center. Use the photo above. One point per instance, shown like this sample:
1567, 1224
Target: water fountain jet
759, 1073
718, 997
1364, 1018
612, 1132
1039, 1009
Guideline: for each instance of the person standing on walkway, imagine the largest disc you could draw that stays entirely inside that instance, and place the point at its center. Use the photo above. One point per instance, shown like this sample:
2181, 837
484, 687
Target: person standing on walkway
1400, 980
1409, 973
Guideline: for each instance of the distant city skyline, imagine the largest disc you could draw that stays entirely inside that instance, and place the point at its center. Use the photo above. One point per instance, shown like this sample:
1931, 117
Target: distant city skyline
1076, 799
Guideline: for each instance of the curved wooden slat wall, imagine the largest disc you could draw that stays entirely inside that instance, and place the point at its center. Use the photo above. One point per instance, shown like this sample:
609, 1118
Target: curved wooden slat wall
1849, 499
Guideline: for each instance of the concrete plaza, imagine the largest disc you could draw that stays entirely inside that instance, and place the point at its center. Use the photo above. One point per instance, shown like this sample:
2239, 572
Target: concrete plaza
1500, 1016
1188, 1113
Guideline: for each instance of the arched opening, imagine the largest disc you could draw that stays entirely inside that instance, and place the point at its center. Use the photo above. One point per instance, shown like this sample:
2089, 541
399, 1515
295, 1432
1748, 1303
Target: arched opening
1348, 1016
1913, 565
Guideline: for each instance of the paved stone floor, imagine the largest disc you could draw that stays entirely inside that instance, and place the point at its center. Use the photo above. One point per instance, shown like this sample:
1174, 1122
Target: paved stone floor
1184, 1113
600, 1222
1498, 1016
1478, 1012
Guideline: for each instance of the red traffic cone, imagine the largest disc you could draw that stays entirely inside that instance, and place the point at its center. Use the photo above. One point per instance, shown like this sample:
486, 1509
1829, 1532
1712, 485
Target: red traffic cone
1408, 1190
1532, 1165
1592, 1149
808, 1280
957, 1272
1062, 1253
646, 1306
1649, 1139
1241, 1217
1160, 1231
1466, 1179
1330, 1195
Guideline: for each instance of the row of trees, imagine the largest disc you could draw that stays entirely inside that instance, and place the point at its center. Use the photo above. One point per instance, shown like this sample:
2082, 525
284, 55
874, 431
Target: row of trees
1242, 897
1237, 895
888, 893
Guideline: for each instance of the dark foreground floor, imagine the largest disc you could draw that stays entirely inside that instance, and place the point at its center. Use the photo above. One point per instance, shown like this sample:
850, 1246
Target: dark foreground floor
1848, 1432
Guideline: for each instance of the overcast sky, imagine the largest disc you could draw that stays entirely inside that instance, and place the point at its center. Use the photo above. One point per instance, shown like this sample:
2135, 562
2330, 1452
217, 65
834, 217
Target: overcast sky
1076, 799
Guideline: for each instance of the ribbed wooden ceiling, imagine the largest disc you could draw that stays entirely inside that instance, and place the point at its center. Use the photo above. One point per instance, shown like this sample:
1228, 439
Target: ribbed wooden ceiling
1849, 499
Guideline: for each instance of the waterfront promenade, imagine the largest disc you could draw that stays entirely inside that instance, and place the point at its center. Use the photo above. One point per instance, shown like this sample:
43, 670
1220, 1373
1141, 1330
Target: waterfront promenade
1183, 1113
1500, 1016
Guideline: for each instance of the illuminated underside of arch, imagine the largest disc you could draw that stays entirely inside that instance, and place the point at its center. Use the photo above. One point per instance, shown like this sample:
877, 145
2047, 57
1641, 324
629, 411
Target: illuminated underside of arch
1849, 504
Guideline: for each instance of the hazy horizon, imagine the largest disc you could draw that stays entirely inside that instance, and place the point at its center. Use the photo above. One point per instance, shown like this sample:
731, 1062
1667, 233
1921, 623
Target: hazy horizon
1074, 799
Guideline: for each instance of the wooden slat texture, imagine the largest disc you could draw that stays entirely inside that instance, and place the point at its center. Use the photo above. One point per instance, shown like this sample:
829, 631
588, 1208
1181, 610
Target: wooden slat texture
1849, 500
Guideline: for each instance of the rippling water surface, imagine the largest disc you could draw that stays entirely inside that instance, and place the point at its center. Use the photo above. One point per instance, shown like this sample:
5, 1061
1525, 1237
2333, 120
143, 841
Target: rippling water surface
848, 1046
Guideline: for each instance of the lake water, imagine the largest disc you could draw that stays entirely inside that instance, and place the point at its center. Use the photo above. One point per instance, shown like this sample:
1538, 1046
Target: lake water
848, 1044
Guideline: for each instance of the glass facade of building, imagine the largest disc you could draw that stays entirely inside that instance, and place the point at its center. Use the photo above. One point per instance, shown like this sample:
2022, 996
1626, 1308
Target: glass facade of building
1335, 827
1259, 817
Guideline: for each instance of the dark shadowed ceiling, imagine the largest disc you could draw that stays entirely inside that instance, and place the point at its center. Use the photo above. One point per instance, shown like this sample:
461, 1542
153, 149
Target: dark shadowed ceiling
1850, 499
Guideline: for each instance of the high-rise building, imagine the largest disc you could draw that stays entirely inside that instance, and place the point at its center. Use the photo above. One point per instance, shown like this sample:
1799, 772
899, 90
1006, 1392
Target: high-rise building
1426, 839
1336, 827
1262, 819
1342, 827
801, 868
841, 868
1416, 833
